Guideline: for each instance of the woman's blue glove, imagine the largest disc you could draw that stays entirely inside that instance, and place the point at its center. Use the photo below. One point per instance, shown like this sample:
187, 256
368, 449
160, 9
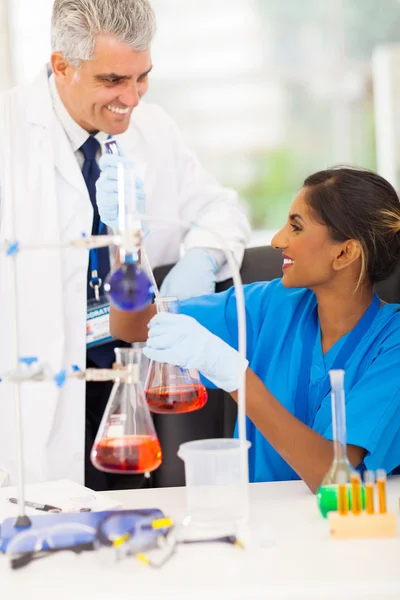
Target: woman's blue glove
107, 191
180, 340
193, 275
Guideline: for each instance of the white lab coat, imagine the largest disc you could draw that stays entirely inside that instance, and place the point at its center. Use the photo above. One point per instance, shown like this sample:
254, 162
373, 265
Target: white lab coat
41, 183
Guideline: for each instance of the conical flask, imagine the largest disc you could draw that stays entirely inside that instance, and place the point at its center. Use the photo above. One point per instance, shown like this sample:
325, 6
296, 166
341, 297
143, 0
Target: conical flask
170, 389
126, 441
127, 285
340, 463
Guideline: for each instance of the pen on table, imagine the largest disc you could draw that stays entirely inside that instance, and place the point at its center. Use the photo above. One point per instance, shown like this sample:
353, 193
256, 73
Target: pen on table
37, 505
48, 507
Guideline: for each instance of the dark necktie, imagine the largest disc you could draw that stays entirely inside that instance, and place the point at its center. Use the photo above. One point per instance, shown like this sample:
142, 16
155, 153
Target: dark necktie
102, 356
91, 173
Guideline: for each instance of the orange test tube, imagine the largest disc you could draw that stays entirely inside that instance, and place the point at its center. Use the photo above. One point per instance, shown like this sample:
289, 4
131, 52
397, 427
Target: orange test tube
355, 494
369, 492
381, 485
343, 499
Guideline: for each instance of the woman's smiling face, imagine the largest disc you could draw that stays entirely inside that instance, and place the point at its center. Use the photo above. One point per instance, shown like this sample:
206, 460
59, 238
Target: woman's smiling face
307, 248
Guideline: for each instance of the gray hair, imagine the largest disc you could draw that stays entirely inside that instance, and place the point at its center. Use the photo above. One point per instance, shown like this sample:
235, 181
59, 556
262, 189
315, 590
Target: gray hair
76, 23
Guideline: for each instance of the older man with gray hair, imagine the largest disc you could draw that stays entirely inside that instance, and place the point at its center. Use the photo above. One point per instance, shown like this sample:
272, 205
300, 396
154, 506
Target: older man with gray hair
56, 183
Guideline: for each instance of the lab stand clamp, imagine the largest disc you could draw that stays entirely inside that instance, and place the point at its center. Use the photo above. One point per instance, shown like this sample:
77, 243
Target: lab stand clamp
126, 283
30, 368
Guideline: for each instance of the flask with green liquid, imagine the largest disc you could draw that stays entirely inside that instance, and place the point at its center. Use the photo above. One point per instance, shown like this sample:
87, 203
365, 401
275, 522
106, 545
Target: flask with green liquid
327, 494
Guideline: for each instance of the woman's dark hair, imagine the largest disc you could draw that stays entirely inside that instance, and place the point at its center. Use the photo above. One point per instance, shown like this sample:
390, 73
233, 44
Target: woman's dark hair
360, 205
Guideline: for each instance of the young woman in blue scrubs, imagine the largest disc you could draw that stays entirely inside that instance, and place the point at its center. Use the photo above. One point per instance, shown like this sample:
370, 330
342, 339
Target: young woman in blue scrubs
341, 237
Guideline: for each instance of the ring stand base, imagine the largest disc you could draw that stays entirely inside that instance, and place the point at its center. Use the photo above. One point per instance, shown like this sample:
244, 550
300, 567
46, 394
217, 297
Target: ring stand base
22, 522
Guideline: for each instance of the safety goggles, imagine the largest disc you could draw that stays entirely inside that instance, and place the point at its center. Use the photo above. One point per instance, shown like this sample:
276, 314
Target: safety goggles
33, 543
151, 541
163, 547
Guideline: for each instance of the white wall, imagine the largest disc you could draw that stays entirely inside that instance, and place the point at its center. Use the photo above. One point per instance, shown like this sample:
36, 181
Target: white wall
5, 54
210, 59
30, 37
386, 76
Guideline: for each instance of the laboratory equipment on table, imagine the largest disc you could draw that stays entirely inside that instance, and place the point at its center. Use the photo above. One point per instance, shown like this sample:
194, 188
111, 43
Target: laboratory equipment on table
127, 441
343, 499
340, 468
171, 389
128, 287
116, 437
381, 486
355, 482
80, 532
328, 496
357, 523
340, 461
369, 492
217, 497
159, 551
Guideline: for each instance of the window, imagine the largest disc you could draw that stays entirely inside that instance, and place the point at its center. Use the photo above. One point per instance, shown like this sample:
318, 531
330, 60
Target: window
269, 91
265, 91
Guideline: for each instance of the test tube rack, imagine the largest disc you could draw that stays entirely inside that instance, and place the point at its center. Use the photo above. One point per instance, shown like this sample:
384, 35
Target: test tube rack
351, 526
359, 523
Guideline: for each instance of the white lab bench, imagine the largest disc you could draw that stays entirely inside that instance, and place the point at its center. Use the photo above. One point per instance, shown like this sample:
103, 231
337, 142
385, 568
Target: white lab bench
290, 557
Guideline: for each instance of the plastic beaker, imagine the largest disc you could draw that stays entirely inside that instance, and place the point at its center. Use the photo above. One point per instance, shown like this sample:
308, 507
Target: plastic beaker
170, 389
217, 494
127, 441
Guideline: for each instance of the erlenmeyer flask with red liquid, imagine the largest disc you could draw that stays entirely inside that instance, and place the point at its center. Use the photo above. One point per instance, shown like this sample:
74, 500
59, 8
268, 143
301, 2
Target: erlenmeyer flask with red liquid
127, 441
170, 389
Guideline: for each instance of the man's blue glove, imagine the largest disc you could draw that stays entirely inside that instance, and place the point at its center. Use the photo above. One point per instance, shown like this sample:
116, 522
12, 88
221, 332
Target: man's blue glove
107, 191
193, 275
180, 340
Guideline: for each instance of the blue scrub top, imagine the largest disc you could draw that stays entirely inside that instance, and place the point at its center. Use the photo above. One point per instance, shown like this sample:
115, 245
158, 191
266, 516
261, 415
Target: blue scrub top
277, 333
